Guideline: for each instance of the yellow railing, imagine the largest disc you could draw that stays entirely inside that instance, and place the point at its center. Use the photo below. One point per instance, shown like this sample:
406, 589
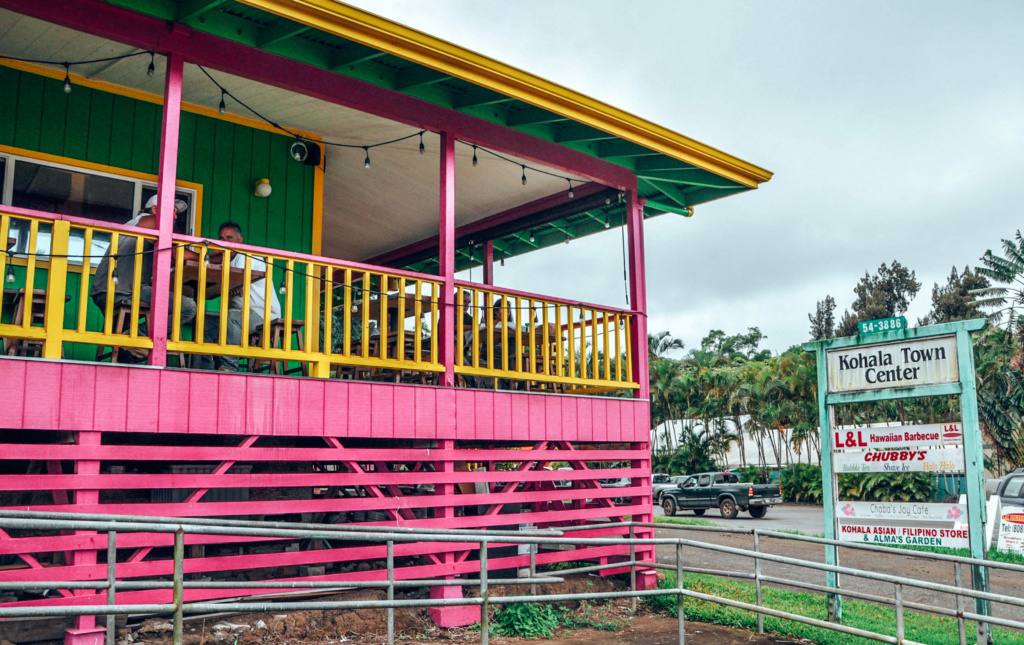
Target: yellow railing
38, 291
542, 342
380, 324
335, 318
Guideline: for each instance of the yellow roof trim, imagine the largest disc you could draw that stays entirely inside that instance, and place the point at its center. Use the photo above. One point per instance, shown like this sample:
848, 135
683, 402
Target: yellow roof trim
379, 33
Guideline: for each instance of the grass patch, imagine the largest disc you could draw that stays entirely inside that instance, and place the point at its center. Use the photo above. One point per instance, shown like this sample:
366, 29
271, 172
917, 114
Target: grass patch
536, 620
923, 628
688, 521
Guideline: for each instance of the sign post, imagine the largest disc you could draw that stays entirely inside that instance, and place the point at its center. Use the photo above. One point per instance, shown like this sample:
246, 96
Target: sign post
888, 361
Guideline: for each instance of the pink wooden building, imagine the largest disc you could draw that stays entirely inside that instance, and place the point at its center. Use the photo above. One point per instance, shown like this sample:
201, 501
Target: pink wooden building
364, 164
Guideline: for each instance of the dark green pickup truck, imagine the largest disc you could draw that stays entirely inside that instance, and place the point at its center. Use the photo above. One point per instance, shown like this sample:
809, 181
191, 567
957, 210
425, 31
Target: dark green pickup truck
723, 491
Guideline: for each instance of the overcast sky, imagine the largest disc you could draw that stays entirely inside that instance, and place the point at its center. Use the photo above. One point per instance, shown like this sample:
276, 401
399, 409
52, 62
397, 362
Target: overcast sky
895, 131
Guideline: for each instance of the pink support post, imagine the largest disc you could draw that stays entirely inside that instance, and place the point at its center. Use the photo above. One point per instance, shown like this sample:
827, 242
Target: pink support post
446, 259
637, 290
489, 262
165, 211
85, 631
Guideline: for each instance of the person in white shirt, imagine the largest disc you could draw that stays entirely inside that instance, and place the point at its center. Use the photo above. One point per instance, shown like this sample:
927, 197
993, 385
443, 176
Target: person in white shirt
232, 232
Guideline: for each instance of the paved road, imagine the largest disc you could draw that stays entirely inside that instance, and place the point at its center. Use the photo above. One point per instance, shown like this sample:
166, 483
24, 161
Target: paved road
785, 517
809, 519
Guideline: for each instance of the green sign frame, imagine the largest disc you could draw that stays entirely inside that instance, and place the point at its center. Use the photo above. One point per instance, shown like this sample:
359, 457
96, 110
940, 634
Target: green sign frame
966, 389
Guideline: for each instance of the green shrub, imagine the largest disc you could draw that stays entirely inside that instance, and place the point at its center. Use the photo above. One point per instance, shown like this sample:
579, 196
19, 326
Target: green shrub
887, 487
753, 474
528, 620
802, 483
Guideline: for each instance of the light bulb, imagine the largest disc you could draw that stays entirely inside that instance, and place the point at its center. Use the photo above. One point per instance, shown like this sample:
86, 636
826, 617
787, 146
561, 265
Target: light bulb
223, 107
571, 193
532, 238
67, 79
366, 162
502, 261
606, 222
152, 67
475, 160
566, 238
281, 290
114, 280
422, 147
524, 175
10, 278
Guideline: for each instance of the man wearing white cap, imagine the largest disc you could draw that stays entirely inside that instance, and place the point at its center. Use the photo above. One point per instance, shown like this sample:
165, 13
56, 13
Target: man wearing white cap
150, 209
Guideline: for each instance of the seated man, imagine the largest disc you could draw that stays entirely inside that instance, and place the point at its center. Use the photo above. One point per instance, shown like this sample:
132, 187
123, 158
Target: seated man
124, 280
232, 232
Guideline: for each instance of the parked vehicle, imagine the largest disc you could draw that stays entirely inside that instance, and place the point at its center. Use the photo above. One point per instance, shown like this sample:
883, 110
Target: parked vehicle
660, 478
1011, 489
670, 482
723, 491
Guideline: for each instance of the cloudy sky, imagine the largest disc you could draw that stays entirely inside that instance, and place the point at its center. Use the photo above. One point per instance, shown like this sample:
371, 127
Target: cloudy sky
895, 131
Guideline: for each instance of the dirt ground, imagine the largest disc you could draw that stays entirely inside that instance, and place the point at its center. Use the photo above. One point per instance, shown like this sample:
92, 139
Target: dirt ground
364, 627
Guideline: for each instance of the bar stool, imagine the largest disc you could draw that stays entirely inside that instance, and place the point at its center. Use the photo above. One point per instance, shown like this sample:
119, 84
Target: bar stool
277, 342
122, 319
29, 347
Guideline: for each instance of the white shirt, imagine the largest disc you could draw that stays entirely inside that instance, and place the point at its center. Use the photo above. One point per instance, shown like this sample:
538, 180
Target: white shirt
256, 289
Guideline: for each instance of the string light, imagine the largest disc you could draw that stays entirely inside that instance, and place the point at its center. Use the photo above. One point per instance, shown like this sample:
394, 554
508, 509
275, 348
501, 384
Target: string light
524, 175
67, 78
571, 194
423, 148
10, 276
607, 223
152, 65
222, 106
567, 237
366, 161
503, 260
532, 237
475, 160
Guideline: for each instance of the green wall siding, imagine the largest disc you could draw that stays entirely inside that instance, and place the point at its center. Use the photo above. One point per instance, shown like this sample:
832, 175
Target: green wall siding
114, 130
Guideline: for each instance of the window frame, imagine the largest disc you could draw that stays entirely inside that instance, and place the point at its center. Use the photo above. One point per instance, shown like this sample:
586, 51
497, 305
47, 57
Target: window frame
140, 181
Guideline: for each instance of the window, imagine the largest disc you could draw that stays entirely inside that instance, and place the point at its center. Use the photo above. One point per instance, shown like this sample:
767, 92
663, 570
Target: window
66, 190
704, 480
1014, 488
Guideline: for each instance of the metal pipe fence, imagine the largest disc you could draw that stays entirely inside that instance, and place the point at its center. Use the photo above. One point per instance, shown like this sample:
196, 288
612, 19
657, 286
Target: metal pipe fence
486, 541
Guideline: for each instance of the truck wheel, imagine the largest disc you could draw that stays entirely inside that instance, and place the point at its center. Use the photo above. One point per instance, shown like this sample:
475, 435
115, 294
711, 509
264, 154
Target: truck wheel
699, 511
668, 505
728, 509
757, 512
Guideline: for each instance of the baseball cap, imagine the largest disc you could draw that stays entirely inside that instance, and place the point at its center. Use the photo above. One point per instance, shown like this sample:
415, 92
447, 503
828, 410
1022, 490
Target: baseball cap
179, 204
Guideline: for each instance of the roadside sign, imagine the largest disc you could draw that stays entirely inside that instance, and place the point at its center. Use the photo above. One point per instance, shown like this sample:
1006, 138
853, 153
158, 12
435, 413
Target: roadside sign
912, 535
889, 361
896, 323
920, 460
905, 511
932, 434
1011, 530
926, 361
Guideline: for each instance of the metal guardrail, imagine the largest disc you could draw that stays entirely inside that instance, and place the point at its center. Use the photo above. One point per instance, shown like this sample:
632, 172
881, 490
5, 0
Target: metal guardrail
112, 525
